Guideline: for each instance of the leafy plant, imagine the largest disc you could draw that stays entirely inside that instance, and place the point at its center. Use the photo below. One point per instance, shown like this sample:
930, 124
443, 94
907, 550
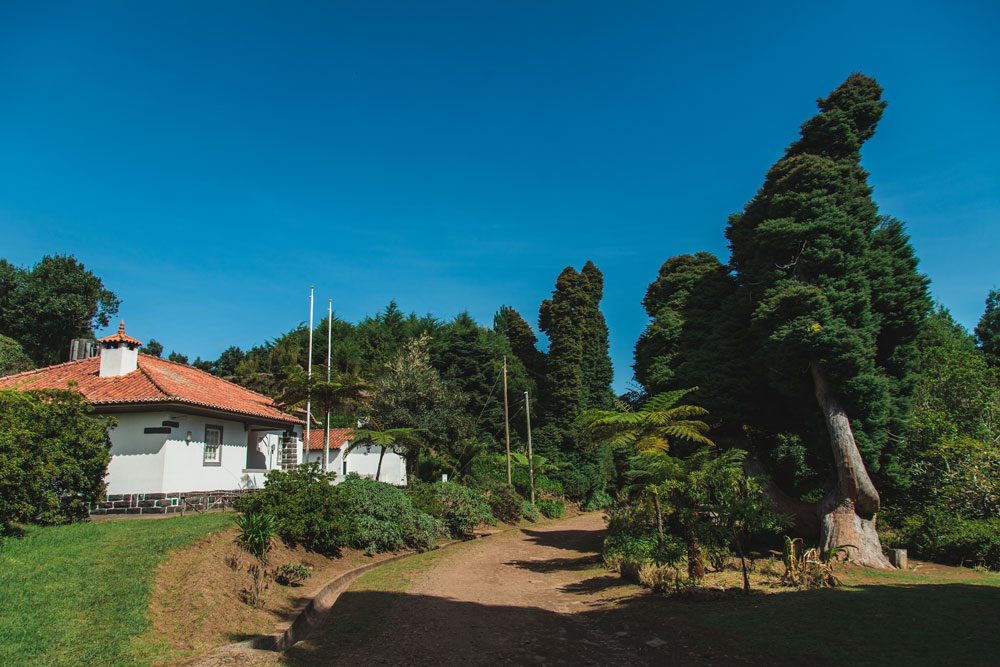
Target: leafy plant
307, 508
551, 509
462, 508
385, 518
529, 511
255, 535
505, 504
292, 574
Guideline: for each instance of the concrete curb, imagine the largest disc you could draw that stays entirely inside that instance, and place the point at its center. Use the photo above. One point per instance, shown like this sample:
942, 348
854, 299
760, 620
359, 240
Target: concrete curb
318, 608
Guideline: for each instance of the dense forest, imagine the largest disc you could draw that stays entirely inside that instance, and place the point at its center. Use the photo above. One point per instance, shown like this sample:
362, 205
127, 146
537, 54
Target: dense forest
813, 357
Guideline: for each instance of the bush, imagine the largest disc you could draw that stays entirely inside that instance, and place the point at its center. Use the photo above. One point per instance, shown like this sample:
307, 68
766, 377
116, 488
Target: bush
307, 509
292, 574
575, 485
598, 500
938, 536
551, 509
385, 518
53, 457
505, 504
255, 533
529, 511
462, 508
424, 498
547, 486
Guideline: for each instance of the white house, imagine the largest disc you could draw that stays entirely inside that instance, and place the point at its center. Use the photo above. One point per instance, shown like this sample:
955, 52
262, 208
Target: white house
363, 459
180, 430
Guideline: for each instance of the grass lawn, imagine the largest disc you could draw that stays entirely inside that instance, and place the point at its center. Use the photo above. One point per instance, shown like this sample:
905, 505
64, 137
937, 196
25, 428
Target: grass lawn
78, 594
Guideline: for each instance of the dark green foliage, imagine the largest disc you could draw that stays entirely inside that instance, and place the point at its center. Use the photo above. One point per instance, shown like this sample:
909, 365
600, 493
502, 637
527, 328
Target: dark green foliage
696, 338
177, 357
292, 574
575, 483
53, 457
505, 504
228, 362
941, 536
598, 500
529, 511
564, 319
597, 370
551, 509
829, 283
12, 357
462, 508
543, 485
409, 393
46, 307
523, 342
307, 509
988, 329
152, 348
386, 519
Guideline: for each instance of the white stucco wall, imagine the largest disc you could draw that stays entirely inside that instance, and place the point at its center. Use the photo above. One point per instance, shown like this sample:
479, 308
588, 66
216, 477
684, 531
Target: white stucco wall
364, 461
167, 463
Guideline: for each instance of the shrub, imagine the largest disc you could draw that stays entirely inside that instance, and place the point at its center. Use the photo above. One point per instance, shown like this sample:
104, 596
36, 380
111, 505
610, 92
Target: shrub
551, 509
547, 486
462, 508
598, 500
937, 535
292, 574
505, 504
53, 456
307, 509
529, 511
385, 518
575, 485
424, 498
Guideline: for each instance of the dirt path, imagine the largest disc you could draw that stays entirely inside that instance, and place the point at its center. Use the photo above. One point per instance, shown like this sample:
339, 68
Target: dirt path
536, 596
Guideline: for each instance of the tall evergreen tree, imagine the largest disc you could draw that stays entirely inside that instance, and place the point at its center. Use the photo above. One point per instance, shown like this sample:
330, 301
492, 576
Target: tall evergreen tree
598, 372
806, 261
563, 318
696, 338
988, 329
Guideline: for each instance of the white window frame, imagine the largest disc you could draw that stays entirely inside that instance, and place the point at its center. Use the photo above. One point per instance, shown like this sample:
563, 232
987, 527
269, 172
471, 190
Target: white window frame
213, 445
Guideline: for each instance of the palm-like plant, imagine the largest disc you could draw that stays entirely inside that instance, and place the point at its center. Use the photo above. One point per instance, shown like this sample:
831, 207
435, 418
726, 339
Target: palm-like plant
655, 426
399, 440
341, 393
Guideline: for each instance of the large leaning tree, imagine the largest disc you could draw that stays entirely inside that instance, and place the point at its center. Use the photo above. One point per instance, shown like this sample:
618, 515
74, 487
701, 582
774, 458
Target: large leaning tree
834, 302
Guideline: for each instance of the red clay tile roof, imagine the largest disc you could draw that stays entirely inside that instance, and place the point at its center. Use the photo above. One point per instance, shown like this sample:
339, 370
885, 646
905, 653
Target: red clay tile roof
338, 436
120, 337
156, 381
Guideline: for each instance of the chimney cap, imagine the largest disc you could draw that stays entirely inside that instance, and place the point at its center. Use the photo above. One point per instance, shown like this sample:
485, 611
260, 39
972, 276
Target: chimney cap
120, 337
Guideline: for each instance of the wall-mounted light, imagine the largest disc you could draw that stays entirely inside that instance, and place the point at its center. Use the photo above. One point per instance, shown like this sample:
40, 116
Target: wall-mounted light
187, 438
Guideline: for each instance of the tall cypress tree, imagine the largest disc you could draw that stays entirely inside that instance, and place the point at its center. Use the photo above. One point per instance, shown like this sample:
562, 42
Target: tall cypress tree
807, 256
598, 372
563, 318
988, 329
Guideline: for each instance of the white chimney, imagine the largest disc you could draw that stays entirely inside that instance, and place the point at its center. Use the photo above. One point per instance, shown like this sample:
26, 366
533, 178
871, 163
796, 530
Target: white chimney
119, 354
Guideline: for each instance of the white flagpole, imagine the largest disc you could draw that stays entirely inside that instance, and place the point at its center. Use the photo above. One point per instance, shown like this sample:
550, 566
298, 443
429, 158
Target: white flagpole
309, 374
329, 342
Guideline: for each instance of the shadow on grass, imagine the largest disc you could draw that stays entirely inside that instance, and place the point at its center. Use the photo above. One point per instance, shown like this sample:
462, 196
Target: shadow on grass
929, 624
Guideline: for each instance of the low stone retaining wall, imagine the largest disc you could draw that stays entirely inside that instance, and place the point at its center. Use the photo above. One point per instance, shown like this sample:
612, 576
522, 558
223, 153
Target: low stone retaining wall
166, 503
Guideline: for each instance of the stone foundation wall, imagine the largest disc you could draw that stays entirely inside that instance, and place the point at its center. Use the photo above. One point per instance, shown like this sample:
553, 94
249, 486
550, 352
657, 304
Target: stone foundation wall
166, 503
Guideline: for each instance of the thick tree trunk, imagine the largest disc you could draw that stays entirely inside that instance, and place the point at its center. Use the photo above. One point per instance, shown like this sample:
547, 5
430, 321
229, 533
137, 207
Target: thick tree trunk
847, 513
804, 515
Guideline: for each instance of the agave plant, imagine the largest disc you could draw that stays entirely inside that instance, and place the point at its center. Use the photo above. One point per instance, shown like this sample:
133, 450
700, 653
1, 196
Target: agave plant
256, 532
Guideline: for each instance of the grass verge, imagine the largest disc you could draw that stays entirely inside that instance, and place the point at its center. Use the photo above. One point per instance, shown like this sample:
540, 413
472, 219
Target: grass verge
78, 594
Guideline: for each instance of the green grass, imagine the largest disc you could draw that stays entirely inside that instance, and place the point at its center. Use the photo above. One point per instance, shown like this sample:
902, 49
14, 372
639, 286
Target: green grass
78, 594
880, 618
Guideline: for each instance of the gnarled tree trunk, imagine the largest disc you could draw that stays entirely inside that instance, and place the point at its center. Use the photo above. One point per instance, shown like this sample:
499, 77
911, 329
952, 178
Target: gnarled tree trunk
847, 513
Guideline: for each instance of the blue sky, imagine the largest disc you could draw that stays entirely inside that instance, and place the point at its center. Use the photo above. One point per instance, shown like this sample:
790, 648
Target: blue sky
211, 161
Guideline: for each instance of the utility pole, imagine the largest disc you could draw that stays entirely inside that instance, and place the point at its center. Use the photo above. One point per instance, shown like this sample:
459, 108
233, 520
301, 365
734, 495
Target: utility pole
506, 418
309, 374
531, 460
329, 341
